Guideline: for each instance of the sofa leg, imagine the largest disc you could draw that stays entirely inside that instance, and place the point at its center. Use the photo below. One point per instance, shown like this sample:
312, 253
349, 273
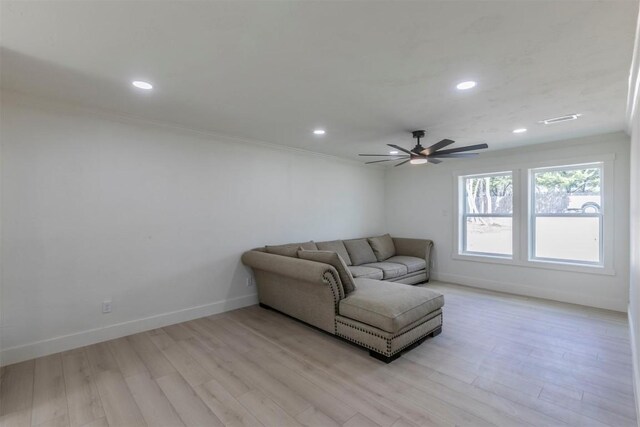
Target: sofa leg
436, 332
382, 357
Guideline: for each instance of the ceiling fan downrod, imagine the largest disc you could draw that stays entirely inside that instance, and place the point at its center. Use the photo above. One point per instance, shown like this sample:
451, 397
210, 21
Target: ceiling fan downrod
418, 149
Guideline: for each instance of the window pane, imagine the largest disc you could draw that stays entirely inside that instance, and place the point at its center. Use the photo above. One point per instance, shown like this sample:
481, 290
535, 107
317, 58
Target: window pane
489, 195
490, 235
568, 191
568, 238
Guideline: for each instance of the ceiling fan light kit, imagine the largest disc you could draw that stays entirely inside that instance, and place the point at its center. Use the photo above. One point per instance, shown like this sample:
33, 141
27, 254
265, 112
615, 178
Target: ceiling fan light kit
420, 155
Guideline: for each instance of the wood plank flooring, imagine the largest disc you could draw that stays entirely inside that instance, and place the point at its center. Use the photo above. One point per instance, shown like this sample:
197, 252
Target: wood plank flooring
501, 360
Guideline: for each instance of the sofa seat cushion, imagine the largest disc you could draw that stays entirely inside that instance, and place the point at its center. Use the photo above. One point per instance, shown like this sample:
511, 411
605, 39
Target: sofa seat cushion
366, 272
387, 305
390, 270
412, 263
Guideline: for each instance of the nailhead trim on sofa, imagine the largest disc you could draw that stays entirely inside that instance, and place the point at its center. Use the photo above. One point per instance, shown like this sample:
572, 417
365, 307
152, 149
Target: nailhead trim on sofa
388, 340
333, 285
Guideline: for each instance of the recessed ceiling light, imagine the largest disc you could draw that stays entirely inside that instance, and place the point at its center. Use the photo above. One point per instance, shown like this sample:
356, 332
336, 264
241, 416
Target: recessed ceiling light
520, 130
142, 85
393, 152
418, 161
466, 85
319, 132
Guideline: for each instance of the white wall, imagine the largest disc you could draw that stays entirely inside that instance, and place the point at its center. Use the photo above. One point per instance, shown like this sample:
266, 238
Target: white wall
97, 207
420, 202
634, 271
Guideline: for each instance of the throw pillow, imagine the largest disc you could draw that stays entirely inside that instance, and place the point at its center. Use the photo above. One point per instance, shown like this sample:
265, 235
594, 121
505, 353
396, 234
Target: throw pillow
335, 260
335, 246
382, 246
360, 252
291, 249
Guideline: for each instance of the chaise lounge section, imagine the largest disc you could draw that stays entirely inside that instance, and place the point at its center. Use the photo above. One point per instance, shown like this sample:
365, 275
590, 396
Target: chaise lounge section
360, 293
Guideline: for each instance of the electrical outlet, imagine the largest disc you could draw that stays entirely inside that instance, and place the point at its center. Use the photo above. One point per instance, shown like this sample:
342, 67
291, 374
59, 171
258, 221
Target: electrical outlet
106, 306
250, 282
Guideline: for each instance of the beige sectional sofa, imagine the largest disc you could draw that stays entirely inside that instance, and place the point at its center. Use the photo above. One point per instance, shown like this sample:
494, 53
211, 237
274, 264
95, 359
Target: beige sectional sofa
357, 289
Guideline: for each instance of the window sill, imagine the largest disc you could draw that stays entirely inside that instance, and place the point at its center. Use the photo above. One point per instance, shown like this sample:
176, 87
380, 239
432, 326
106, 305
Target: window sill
544, 265
492, 259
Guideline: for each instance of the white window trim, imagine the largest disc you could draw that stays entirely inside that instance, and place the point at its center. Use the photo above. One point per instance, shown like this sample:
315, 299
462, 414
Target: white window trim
521, 203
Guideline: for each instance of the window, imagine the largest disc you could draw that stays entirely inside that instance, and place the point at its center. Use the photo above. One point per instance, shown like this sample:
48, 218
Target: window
486, 220
555, 215
565, 223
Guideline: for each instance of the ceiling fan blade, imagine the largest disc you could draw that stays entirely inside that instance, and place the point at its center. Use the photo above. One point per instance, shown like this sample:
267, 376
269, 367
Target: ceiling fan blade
401, 163
467, 148
401, 149
435, 147
381, 155
438, 155
379, 161
434, 161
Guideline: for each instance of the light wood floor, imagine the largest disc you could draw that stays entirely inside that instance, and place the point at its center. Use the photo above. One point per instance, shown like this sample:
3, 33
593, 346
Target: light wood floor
501, 360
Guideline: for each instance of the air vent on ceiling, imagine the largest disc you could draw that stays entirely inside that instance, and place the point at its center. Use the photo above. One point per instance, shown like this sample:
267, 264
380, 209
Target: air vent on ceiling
560, 119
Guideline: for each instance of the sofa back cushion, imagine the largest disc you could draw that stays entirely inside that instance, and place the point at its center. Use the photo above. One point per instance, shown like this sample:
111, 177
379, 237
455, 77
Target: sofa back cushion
335, 246
291, 249
382, 246
359, 251
334, 259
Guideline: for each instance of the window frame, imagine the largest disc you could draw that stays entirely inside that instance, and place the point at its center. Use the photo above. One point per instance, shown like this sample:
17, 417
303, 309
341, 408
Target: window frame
463, 218
532, 215
520, 219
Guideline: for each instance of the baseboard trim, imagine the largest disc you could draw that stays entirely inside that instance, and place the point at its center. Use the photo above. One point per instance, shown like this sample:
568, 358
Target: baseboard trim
635, 355
532, 291
92, 336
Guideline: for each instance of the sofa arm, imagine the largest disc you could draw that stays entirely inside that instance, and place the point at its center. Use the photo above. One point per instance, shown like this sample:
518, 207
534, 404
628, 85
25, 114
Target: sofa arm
307, 290
296, 268
419, 248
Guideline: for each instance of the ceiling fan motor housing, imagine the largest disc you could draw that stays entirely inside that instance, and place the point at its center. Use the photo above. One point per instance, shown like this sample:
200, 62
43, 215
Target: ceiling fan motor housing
418, 149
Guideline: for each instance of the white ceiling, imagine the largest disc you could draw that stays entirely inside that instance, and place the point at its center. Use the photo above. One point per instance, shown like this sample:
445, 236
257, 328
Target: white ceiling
367, 72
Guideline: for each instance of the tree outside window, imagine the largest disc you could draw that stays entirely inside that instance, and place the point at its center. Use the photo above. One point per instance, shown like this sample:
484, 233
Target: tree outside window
487, 217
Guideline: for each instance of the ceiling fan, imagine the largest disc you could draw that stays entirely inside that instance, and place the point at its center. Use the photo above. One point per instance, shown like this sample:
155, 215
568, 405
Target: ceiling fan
420, 155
